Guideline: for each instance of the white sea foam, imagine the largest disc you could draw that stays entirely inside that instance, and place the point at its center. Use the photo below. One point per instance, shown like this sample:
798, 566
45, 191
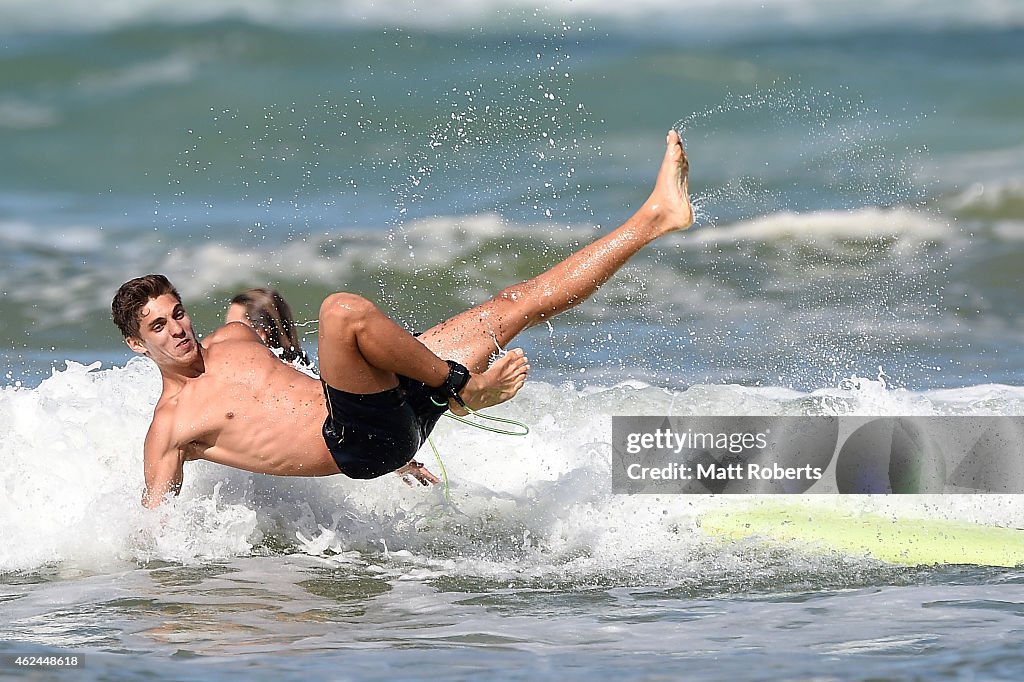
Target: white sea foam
176, 68
200, 267
864, 223
62, 240
1003, 196
734, 17
71, 476
20, 114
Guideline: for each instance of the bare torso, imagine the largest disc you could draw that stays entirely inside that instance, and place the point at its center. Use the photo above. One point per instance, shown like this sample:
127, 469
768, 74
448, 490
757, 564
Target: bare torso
247, 410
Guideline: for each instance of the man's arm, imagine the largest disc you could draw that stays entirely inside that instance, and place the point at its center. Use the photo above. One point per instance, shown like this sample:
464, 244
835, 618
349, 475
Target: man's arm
162, 464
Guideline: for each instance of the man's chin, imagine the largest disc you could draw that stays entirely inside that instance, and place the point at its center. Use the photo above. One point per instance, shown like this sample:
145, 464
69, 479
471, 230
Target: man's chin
187, 352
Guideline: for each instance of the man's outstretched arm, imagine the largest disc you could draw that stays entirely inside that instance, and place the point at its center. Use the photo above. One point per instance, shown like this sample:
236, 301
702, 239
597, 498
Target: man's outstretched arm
162, 465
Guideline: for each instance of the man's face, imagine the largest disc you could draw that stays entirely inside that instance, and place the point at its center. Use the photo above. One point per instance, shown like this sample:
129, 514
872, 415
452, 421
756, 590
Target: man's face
165, 332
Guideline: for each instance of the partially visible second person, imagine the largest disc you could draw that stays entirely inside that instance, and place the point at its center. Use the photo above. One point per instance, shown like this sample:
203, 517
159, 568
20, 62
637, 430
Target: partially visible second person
266, 311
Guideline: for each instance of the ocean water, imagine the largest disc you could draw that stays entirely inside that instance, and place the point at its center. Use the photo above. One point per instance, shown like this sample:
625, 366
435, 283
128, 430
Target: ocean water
858, 174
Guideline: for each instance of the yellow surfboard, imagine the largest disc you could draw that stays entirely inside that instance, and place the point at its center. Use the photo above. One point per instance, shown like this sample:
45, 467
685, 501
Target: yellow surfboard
911, 542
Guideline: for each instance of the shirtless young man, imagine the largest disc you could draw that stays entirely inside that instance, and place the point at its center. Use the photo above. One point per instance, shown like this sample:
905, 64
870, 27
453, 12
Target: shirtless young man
230, 400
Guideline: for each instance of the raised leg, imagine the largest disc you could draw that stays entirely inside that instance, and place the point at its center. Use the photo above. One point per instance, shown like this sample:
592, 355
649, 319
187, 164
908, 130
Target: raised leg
470, 337
361, 350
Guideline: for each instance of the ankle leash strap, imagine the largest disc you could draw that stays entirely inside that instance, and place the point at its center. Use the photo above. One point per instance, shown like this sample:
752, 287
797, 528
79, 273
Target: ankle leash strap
458, 377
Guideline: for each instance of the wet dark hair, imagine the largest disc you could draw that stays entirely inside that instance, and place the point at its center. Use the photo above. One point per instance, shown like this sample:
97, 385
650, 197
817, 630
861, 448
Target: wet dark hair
271, 314
133, 296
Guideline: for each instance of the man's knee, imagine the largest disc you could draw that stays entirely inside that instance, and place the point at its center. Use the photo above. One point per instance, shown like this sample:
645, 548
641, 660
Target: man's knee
345, 309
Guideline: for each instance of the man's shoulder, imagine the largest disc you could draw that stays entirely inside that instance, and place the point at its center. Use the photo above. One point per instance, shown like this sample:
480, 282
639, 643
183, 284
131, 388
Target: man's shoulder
234, 342
180, 417
232, 331
161, 429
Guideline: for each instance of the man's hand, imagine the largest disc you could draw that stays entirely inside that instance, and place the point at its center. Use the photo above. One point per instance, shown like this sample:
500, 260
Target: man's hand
415, 470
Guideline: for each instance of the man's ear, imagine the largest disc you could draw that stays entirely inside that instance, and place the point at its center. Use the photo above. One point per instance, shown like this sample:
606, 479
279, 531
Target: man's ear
135, 343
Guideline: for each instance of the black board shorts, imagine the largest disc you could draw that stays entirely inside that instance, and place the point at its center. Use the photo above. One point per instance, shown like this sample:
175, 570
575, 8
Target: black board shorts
372, 434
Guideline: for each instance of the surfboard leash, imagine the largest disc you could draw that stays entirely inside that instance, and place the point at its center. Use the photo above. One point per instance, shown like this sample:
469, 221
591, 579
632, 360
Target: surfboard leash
523, 431
458, 377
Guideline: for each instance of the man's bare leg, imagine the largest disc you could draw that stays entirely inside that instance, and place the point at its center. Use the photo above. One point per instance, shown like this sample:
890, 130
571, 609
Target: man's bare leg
470, 337
361, 350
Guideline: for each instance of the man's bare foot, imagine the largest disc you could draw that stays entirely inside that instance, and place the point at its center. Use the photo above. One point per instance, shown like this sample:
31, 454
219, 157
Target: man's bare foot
498, 383
668, 208
416, 471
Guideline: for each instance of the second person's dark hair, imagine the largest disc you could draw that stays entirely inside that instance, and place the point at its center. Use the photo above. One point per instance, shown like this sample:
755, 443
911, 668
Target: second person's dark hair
270, 313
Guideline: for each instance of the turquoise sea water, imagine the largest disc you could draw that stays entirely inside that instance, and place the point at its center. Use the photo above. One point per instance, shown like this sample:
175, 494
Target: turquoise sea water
859, 178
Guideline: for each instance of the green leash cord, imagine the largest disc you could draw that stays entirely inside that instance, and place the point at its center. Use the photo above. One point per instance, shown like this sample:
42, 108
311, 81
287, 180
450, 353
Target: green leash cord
444, 474
523, 430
